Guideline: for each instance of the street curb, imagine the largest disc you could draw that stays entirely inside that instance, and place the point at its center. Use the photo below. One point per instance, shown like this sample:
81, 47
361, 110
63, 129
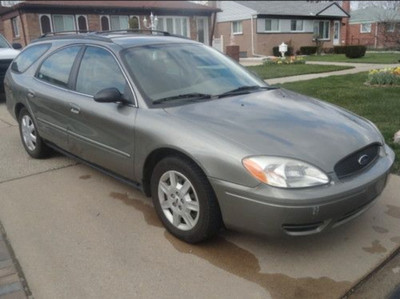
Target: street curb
16, 264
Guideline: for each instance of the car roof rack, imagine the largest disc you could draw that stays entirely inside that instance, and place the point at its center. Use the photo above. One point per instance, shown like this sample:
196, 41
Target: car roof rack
101, 35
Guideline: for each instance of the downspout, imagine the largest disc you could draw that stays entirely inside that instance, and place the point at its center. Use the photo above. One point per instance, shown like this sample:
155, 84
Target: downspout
23, 27
376, 34
252, 38
213, 28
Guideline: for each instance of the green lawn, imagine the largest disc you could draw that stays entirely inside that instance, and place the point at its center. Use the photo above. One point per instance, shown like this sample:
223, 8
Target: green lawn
380, 105
383, 58
284, 70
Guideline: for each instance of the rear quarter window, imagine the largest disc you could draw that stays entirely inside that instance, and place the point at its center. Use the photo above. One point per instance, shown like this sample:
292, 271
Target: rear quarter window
28, 57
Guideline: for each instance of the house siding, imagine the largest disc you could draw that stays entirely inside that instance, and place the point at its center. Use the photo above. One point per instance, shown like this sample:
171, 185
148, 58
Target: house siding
265, 41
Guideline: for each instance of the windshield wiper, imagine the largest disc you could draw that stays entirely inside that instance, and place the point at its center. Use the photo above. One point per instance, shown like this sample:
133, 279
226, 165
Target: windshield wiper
192, 96
244, 89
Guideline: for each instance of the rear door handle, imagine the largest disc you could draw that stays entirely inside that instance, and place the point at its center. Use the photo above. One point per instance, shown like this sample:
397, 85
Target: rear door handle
31, 94
75, 110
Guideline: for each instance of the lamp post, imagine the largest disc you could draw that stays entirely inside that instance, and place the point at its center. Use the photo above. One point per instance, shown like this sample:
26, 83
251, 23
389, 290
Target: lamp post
153, 22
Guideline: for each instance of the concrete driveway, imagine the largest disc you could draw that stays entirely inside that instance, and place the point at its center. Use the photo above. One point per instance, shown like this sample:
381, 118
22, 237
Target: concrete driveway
80, 234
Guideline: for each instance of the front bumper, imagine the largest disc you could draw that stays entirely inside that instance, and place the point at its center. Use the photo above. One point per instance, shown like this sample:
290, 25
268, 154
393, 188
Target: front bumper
274, 211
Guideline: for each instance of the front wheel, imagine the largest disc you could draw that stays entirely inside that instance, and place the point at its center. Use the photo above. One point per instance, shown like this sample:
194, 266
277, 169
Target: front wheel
31, 140
184, 200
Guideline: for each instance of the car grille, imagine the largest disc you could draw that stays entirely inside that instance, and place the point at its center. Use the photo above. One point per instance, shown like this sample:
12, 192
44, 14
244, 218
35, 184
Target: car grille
357, 161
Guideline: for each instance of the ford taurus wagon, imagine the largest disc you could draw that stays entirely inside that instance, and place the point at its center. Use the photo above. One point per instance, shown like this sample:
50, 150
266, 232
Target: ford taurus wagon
212, 144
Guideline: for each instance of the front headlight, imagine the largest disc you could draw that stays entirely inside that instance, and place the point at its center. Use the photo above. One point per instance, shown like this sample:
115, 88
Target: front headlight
284, 172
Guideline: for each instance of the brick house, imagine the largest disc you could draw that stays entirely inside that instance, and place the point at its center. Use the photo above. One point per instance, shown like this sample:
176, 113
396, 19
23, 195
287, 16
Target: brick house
258, 26
24, 21
375, 27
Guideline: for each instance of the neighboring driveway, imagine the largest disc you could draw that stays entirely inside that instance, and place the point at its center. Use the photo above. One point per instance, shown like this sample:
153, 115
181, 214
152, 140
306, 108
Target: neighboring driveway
80, 234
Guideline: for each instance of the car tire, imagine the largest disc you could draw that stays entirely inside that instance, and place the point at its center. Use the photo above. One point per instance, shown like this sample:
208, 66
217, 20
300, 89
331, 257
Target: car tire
30, 137
184, 200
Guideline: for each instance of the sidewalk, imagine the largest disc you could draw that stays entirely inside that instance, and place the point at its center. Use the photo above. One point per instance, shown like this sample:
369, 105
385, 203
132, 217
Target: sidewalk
358, 68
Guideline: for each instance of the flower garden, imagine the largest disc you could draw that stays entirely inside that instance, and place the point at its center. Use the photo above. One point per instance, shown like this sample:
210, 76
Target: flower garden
285, 60
384, 77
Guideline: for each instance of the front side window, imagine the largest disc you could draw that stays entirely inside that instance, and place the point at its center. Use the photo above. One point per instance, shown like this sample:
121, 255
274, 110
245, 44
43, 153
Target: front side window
15, 27
365, 28
28, 57
164, 72
3, 42
63, 23
296, 25
237, 27
321, 29
56, 69
99, 70
271, 25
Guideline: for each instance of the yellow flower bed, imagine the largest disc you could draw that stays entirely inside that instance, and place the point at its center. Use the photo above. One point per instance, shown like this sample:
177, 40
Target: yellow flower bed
384, 77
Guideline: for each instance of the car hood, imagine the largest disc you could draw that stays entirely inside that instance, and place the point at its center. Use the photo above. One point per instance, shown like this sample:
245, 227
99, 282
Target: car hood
8, 53
282, 123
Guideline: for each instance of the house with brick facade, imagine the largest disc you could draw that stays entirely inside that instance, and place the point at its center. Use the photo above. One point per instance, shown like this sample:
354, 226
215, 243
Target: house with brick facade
258, 26
24, 21
375, 27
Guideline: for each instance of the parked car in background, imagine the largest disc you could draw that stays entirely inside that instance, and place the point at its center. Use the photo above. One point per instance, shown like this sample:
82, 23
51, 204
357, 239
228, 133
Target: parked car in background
210, 142
7, 54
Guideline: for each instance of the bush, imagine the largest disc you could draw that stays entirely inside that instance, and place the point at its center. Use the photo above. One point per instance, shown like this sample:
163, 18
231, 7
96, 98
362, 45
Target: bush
276, 52
309, 50
328, 50
355, 51
339, 49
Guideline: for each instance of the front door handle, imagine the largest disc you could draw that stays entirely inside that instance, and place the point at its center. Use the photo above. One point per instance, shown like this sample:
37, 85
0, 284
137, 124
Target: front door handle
31, 94
74, 108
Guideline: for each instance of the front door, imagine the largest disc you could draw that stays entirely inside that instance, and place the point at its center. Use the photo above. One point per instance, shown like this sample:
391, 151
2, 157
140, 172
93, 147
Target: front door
102, 133
336, 33
202, 30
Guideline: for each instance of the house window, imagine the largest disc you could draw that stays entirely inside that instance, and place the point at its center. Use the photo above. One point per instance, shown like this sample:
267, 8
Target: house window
322, 29
174, 25
45, 24
296, 25
64, 23
82, 23
119, 22
237, 27
134, 23
390, 27
271, 25
105, 23
15, 28
365, 28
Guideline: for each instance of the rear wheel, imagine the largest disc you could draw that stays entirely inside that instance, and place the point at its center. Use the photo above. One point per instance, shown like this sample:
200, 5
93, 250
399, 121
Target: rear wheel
31, 140
184, 200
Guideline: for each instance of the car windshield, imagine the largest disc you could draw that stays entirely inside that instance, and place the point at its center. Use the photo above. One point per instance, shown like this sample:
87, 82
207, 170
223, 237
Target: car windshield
186, 72
3, 42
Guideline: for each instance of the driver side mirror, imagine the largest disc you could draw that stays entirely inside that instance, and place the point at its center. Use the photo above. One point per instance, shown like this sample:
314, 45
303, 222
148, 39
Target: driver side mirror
109, 95
16, 46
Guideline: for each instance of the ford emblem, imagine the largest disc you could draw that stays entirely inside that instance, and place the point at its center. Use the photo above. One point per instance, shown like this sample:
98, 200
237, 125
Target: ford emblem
363, 160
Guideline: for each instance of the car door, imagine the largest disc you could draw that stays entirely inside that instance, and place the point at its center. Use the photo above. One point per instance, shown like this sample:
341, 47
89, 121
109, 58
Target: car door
50, 94
102, 133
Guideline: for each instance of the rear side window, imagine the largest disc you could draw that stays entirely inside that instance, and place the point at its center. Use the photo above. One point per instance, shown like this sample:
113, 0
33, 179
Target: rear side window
56, 68
28, 57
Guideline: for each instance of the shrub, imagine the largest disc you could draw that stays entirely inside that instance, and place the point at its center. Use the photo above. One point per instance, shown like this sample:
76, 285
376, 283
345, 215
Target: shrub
387, 76
355, 51
328, 50
309, 50
339, 49
276, 52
